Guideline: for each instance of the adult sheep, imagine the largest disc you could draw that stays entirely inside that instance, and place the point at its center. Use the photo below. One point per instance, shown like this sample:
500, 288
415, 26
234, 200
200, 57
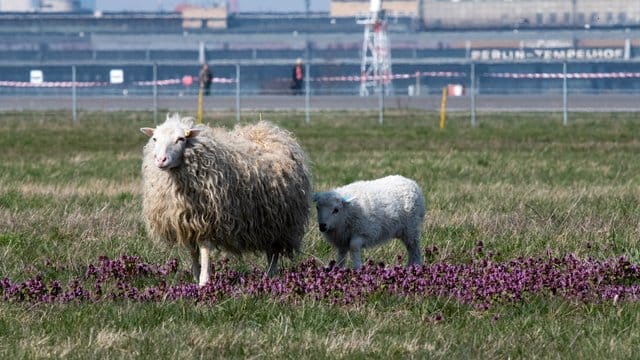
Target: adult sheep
368, 213
245, 190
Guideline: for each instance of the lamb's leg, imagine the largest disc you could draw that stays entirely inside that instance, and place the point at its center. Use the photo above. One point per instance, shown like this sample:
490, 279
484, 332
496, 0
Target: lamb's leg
341, 257
355, 247
411, 241
204, 265
272, 263
195, 263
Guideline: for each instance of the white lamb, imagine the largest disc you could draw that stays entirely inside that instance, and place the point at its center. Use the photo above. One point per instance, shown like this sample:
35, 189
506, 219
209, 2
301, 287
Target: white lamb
368, 213
246, 190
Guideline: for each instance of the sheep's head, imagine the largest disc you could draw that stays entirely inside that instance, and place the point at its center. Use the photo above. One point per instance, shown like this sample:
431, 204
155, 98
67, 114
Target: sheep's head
169, 141
331, 207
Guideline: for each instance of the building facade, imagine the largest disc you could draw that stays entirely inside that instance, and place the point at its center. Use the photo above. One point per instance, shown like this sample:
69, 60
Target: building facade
466, 14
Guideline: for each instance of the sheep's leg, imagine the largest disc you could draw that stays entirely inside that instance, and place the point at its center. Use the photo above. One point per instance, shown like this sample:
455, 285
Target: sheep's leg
204, 265
272, 263
412, 242
341, 257
355, 247
195, 263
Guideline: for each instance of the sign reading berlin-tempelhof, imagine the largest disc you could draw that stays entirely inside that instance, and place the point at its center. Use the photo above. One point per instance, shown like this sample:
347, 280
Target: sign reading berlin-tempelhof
547, 54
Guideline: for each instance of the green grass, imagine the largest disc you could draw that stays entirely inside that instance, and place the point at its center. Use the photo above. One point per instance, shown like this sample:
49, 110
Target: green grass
522, 184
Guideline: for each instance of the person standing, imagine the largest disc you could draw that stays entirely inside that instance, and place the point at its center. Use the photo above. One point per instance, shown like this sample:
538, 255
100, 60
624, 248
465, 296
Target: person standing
297, 77
206, 77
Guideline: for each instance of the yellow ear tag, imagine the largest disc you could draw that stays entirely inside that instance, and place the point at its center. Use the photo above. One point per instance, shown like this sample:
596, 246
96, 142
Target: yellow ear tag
187, 133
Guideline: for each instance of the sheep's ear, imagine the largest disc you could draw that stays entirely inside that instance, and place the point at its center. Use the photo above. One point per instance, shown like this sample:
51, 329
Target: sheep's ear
147, 131
191, 133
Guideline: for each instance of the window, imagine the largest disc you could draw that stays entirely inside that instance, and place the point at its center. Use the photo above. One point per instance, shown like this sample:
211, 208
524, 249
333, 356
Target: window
622, 18
610, 20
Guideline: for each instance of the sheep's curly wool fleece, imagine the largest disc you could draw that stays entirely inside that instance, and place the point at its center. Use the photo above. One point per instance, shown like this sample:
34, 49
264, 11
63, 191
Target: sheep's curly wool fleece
245, 190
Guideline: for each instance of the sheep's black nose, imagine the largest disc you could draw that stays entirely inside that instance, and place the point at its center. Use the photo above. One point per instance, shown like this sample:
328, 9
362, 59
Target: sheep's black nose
323, 227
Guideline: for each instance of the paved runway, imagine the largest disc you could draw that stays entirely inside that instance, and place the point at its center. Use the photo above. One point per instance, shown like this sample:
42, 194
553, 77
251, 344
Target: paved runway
483, 103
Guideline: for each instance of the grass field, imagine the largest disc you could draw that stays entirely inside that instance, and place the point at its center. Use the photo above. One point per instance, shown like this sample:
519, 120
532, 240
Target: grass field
522, 185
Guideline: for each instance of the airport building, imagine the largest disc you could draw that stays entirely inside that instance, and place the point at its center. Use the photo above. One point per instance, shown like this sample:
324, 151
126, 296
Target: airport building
483, 14
426, 36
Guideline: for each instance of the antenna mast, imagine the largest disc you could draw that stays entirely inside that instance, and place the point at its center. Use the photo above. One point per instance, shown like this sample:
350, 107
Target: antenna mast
375, 69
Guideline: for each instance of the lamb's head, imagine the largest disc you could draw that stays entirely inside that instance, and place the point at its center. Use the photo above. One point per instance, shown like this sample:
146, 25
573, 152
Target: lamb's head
331, 208
170, 139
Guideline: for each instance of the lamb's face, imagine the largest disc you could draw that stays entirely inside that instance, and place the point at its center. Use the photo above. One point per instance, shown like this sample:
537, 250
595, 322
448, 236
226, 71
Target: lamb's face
330, 207
168, 144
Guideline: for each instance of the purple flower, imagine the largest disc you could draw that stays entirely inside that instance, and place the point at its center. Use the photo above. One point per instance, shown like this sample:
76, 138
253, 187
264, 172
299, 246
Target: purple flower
481, 283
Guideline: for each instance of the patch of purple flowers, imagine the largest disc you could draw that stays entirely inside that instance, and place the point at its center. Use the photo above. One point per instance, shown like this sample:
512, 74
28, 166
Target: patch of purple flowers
481, 283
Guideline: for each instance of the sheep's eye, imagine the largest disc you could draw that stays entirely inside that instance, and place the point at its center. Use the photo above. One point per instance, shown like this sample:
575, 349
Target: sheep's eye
154, 139
335, 211
180, 139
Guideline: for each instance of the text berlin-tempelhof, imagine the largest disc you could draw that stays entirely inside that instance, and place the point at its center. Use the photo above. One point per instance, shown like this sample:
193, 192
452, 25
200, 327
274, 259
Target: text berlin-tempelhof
547, 54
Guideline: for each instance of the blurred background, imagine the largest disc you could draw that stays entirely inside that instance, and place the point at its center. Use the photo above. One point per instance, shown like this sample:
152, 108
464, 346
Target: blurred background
408, 50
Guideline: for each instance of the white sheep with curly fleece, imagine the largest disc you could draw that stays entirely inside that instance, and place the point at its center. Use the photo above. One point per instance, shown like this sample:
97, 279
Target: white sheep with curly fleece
245, 190
369, 213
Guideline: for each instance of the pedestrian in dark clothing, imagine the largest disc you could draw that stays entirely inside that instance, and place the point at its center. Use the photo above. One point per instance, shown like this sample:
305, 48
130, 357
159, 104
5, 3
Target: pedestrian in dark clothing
297, 77
205, 77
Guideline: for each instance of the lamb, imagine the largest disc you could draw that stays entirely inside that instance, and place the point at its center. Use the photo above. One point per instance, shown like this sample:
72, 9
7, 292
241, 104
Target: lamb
368, 213
244, 190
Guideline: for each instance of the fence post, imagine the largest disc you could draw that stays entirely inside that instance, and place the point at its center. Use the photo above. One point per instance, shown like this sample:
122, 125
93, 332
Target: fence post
443, 107
564, 94
472, 93
237, 92
155, 93
74, 100
307, 91
200, 105
381, 103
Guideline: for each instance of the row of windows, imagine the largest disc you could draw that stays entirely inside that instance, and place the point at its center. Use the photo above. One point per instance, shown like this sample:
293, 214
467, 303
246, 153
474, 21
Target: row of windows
593, 18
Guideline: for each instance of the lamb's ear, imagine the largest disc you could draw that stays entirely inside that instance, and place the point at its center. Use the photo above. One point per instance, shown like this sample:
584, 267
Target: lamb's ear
147, 131
348, 199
